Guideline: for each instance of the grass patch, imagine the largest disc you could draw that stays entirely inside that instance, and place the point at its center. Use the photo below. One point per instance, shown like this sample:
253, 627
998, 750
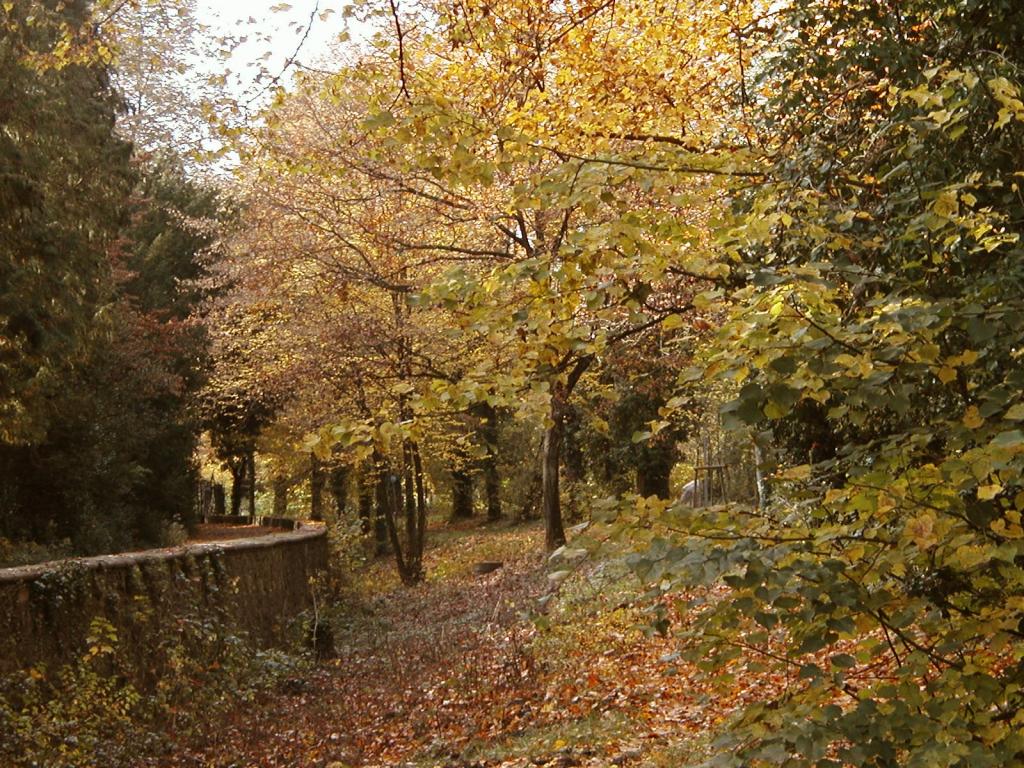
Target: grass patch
456, 550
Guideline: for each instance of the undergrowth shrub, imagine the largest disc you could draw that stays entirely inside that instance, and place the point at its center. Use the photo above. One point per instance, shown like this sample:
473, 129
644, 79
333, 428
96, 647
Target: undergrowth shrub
104, 712
16, 553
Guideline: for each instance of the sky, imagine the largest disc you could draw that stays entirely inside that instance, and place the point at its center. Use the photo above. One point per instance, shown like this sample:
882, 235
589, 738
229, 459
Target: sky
276, 33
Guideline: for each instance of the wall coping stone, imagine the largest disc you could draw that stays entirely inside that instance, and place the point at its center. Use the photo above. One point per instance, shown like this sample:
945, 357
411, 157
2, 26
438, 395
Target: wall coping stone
127, 559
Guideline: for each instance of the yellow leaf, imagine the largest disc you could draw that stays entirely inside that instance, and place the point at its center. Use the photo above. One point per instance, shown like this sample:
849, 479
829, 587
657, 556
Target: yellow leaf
672, 322
802, 472
972, 419
986, 492
834, 494
947, 374
884, 503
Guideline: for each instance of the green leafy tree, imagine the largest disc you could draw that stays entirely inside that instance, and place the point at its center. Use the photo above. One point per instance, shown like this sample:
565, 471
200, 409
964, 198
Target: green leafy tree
64, 179
877, 337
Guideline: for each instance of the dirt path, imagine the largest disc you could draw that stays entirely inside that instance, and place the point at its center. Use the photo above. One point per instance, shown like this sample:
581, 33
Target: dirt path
446, 657
456, 674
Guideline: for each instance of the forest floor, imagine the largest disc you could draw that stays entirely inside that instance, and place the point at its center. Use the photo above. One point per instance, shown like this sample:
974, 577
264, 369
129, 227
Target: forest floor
463, 671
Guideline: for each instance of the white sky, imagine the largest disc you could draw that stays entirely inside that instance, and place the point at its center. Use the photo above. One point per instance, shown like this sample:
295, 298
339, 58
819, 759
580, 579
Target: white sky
277, 33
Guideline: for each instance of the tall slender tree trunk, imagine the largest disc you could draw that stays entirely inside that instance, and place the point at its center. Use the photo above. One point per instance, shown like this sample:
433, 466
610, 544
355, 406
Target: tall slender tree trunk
251, 460
551, 504
421, 509
573, 463
389, 504
462, 494
410, 497
316, 489
395, 500
382, 505
554, 436
654, 471
219, 507
238, 471
339, 481
365, 493
380, 523
410, 563
759, 479
280, 497
492, 476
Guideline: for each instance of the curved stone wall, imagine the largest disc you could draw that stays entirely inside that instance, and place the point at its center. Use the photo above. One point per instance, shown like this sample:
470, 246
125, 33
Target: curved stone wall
254, 585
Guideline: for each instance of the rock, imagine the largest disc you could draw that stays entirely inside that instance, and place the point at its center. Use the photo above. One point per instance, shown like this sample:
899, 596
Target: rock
487, 566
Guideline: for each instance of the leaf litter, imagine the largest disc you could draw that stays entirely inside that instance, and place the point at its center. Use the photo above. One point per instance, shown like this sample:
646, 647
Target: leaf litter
466, 671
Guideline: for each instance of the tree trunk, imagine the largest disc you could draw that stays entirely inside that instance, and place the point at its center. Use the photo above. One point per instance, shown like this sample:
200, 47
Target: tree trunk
654, 470
551, 459
339, 488
421, 510
492, 476
531, 499
238, 471
280, 497
759, 479
364, 490
316, 489
410, 497
219, 507
411, 501
652, 481
389, 502
462, 494
380, 530
205, 488
251, 459
551, 504
381, 503
574, 468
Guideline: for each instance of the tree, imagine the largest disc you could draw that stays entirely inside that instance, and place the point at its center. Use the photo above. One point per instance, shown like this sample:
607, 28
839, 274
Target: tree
97, 352
320, 274
167, 97
585, 224
881, 262
64, 179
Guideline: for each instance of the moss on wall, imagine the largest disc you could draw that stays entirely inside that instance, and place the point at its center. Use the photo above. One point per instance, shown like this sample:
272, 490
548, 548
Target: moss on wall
249, 585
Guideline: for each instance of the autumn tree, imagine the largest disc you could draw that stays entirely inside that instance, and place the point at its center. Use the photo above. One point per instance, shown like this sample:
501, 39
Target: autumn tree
159, 46
322, 268
879, 311
599, 222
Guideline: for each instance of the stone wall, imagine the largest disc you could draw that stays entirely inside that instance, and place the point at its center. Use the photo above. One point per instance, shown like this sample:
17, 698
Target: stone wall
287, 523
252, 585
